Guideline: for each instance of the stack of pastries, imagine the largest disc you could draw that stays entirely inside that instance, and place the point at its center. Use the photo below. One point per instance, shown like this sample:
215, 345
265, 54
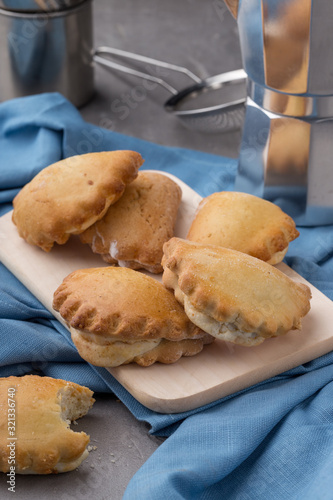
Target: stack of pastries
218, 282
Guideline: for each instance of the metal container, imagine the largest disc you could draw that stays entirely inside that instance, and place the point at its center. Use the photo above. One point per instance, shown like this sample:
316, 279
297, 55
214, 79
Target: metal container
47, 47
38, 5
287, 145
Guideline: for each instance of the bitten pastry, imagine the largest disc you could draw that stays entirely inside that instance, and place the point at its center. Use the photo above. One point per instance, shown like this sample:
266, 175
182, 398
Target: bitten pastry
231, 295
70, 195
244, 222
117, 316
35, 413
134, 229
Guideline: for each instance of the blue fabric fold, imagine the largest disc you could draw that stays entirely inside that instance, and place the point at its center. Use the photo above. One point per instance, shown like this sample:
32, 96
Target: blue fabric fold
257, 446
273, 440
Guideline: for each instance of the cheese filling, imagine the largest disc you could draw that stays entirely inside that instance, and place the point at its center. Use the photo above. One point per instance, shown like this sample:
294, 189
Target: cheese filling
133, 263
225, 331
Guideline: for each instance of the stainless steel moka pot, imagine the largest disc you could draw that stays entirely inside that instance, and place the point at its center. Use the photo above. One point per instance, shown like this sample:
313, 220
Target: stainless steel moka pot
286, 153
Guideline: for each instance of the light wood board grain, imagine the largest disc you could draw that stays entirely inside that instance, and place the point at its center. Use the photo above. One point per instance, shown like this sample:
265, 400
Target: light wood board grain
219, 370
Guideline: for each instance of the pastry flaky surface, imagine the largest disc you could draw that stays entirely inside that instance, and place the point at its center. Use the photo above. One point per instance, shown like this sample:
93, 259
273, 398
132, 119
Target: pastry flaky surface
134, 229
43, 408
117, 316
68, 196
244, 222
231, 295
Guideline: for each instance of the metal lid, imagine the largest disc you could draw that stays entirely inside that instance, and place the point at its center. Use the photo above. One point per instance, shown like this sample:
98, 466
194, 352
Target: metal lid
38, 5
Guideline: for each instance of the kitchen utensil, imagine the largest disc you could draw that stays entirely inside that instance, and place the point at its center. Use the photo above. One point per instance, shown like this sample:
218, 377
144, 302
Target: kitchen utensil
214, 104
287, 145
48, 47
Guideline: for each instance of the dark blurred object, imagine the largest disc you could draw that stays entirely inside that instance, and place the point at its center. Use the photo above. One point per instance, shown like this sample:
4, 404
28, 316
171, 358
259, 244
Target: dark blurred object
38, 5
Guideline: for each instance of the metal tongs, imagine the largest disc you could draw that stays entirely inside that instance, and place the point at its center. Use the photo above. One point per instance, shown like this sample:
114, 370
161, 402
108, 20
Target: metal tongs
224, 116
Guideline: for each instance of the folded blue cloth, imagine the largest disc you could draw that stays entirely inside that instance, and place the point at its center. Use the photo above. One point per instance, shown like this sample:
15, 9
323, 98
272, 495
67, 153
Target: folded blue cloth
274, 440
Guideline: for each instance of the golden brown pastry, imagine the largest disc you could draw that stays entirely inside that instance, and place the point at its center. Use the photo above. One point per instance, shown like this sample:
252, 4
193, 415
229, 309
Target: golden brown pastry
231, 295
70, 195
35, 413
243, 222
134, 229
117, 316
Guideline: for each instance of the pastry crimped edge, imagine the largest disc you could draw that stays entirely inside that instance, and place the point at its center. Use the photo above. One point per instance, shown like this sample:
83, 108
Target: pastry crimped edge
268, 241
143, 353
48, 209
117, 315
223, 314
44, 407
148, 210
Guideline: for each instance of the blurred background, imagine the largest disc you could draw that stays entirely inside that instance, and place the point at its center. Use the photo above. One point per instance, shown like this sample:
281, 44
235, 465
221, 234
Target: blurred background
201, 36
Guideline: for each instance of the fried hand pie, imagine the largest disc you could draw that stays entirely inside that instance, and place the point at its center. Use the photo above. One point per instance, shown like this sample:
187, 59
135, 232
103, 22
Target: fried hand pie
231, 295
134, 229
68, 196
243, 222
42, 408
117, 315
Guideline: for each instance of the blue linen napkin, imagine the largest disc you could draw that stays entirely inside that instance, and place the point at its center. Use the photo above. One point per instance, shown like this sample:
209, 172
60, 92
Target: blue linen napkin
274, 440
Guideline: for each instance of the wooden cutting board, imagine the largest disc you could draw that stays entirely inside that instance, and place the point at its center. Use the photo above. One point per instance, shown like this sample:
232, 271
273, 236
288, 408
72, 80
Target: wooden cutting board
219, 370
